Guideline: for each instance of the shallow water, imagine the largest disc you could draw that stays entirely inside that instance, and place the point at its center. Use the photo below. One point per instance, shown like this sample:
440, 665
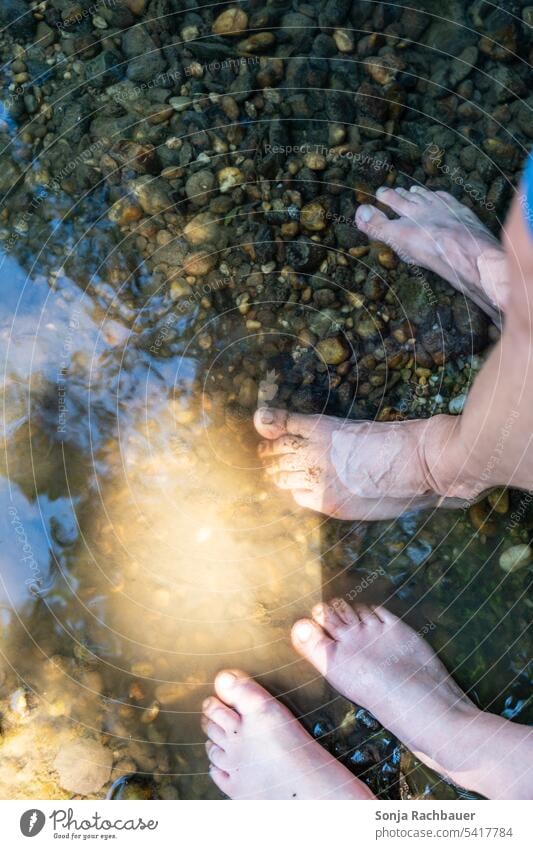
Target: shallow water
142, 548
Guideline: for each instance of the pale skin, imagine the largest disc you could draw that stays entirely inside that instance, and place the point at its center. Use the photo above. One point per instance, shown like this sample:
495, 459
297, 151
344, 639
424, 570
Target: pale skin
256, 748
375, 470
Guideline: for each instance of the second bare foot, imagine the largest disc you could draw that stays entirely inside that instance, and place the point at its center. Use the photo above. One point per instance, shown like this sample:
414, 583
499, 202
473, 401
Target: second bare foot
374, 659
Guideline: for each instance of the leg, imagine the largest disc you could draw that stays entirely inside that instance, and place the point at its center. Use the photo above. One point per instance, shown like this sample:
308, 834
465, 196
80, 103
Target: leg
372, 470
258, 750
494, 435
374, 659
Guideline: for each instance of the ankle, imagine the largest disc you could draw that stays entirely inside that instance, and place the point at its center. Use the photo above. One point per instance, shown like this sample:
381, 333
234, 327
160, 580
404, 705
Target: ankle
444, 460
494, 277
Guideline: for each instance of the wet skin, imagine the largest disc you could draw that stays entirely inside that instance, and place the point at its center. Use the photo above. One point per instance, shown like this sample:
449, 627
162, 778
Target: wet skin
375, 470
258, 750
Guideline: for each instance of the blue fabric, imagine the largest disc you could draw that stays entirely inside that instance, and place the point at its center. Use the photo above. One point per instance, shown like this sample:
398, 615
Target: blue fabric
527, 200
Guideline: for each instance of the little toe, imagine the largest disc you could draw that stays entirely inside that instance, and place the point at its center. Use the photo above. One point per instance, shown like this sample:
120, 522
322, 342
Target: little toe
344, 610
216, 755
329, 619
311, 641
385, 615
240, 691
286, 463
452, 203
220, 777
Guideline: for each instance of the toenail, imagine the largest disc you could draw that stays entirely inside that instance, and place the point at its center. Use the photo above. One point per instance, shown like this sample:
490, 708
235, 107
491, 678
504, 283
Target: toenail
364, 213
205, 704
304, 631
226, 680
267, 416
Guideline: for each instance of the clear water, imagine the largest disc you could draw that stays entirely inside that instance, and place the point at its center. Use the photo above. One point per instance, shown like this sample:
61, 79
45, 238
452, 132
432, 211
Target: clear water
142, 548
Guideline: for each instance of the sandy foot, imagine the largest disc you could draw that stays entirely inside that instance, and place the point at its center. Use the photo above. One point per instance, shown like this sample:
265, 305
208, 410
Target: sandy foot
351, 470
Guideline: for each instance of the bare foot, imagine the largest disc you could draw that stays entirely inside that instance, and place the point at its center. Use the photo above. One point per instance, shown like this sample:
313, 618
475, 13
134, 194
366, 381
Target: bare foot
374, 659
437, 232
351, 470
258, 750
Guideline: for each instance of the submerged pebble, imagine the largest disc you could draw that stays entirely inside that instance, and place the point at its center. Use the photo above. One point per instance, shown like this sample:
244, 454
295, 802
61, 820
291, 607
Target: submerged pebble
516, 557
133, 787
456, 405
83, 766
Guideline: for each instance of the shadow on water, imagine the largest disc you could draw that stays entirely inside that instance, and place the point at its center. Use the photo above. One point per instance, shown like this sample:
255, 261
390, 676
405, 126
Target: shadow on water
142, 548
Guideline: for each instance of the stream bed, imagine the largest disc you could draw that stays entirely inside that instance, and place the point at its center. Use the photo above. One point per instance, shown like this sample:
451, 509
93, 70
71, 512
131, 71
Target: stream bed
179, 182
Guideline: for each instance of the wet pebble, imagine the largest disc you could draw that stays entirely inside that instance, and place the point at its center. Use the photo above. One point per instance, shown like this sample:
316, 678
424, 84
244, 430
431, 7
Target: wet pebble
199, 186
83, 766
456, 405
133, 787
333, 350
515, 558
231, 21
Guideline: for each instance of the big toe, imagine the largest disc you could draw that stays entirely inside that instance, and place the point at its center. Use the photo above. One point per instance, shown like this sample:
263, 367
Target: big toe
241, 692
369, 219
311, 641
271, 423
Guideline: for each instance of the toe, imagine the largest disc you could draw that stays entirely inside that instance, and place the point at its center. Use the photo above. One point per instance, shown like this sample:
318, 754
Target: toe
288, 444
240, 691
294, 480
420, 193
404, 193
220, 713
365, 613
329, 619
220, 777
384, 615
286, 463
311, 641
344, 611
399, 203
272, 423
215, 733
216, 755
